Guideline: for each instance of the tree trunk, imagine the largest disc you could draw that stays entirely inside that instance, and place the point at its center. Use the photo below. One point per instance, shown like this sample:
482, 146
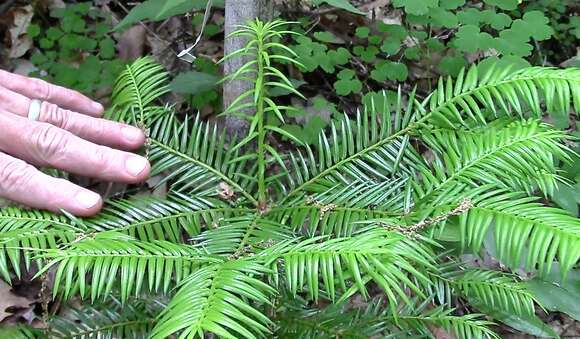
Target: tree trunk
239, 12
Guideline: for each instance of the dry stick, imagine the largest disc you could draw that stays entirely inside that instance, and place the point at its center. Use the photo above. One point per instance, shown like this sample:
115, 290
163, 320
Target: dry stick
44, 296
187, 51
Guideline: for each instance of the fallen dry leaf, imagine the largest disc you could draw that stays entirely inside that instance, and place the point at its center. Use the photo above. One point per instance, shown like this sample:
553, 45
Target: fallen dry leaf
131, 44
10, 300
374, 8
440, 333
23, 67
20, 42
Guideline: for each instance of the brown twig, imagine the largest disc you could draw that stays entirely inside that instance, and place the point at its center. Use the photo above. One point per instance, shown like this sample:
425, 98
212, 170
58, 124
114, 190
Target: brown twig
324, 208
463, 207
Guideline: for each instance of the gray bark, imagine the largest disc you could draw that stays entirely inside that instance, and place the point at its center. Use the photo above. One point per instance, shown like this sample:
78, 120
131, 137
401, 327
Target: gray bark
239, 12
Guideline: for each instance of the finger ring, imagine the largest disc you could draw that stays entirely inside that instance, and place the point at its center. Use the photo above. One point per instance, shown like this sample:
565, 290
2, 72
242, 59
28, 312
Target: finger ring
34, 109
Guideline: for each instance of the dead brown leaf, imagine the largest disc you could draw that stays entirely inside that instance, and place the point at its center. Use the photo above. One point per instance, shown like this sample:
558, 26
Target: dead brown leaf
375, 8
10, 300
440, 333
20, 42
131, 44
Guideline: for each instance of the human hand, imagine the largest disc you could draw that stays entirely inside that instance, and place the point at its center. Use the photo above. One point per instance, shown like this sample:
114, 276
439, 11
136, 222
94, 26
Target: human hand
67, 135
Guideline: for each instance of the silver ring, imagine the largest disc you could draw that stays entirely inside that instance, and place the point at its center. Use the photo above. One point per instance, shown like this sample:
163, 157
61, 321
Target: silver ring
34, 109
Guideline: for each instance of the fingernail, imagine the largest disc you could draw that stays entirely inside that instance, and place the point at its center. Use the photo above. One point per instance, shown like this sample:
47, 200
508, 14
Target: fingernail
97, 107
132, 134
135, 165
88, 199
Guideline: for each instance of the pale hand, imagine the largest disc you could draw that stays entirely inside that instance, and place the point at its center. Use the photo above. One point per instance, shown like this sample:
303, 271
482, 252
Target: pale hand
69, 135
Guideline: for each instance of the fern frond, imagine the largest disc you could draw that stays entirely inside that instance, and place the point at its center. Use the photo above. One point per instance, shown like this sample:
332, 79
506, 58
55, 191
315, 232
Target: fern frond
373, 148
503, 91
21, 332
382, 196
23, 231
197, 159
384, 257
466, 326
108, 320
152, 218
108, 254
237, 235
377, 144
218, 299
338, 209
495, 290
522, 150
297, 320
140, 84
521, 224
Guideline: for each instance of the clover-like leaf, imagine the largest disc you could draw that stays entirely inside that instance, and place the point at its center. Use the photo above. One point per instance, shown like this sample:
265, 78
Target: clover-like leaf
367, 54
388, 70
343, 4
328, 61
362, 32
469, 39
451, 4
535, 24
416, 7
504, 4
347, 83
513, 42
443, 18
452, 65
391, 45
328, 37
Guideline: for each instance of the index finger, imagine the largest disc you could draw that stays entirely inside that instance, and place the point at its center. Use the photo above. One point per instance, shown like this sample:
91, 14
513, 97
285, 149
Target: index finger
25, 184
40, 89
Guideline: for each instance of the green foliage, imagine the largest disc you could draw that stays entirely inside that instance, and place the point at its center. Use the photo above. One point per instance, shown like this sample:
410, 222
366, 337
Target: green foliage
300, 321
78, 52
36, 230
495, 290
200, 85
156, 262
479, 30
217, 299
254, 240
156, 10
312, 119
111, 319
433, 38
347, 83
138, 84
416, 7
20, 332
343, 4
556, 294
